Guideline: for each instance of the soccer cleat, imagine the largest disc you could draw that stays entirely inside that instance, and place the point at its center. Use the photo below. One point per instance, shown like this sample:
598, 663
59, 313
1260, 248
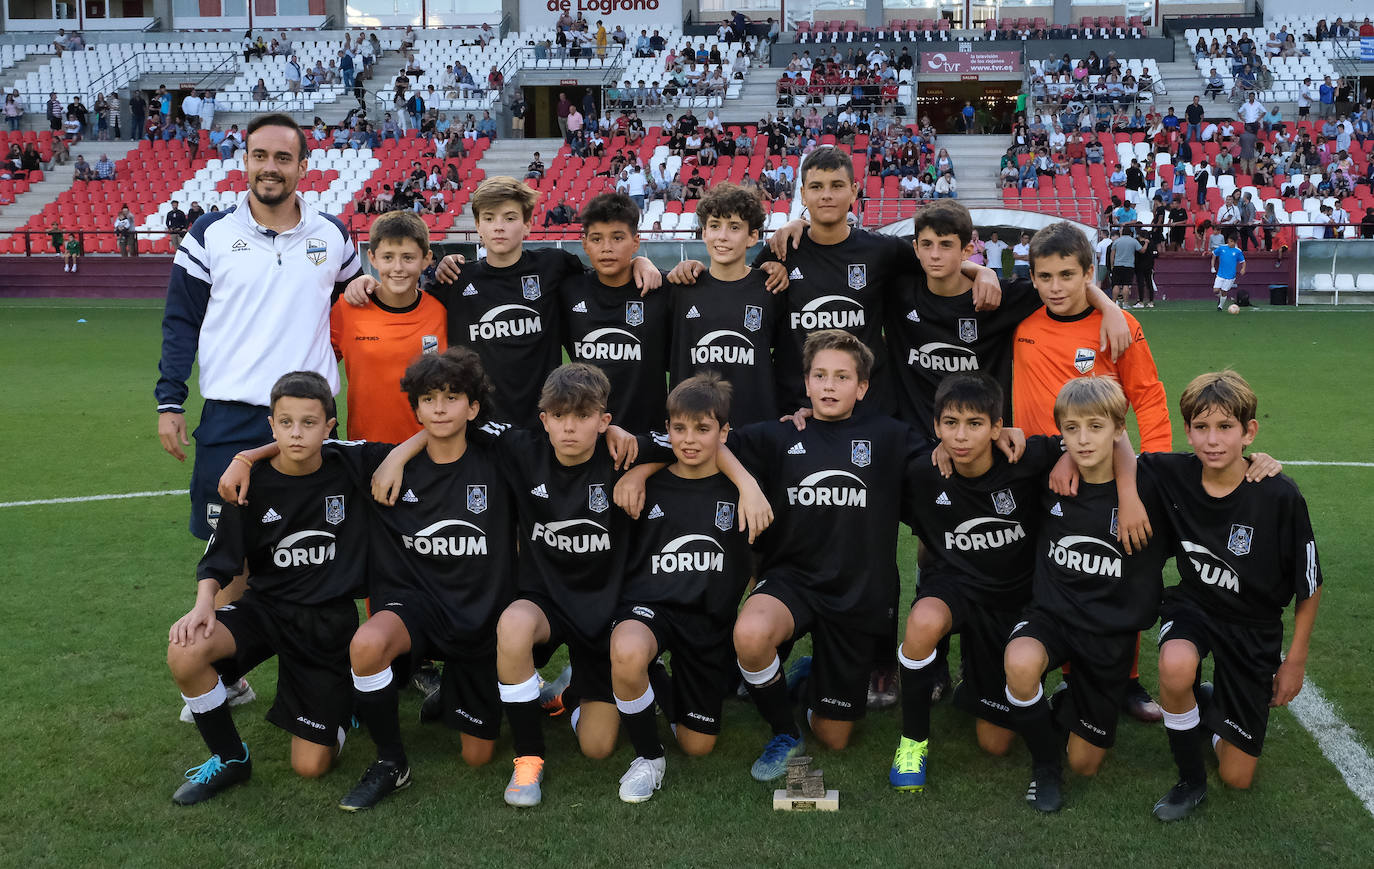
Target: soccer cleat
1138, 305
640, 781
1044, 793
211, 777
1180, 801
942, 686
551, 693
772, 763
382, 778
523, 788
1203, 695
908, 771
236, 694
1140, 705
882, 688
427, 678
796, 676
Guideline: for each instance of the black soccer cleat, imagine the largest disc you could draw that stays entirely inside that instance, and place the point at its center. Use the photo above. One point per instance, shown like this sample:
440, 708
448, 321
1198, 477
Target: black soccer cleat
1203, 695
431, 708
1180, 801
211, 777
382, 778
427, 678
1045, 793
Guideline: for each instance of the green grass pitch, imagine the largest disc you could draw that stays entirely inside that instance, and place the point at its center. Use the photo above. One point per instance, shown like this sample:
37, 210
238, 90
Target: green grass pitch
90, 748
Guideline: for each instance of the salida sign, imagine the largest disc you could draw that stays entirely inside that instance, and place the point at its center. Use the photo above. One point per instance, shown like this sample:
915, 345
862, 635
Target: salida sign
630, 14
970, 62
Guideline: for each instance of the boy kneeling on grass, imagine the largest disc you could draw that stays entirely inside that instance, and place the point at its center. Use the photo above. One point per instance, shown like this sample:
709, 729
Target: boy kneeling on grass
304, 541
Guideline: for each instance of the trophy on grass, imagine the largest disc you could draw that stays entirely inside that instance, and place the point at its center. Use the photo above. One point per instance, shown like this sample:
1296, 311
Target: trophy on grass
805, 791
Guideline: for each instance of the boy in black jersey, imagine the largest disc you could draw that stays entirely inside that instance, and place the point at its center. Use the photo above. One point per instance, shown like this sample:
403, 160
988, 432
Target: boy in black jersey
1244, 550
688, 566
607, 322
829, 562
729, 322
508, 306
1089, 599
304, 545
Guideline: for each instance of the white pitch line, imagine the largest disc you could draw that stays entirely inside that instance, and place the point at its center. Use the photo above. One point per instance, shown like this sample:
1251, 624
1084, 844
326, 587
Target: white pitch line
1337, 741
86, 498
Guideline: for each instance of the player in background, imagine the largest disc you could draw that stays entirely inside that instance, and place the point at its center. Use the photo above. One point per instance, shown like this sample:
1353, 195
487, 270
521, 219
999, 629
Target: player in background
728, 321
978, 526
304, 541
1228, 264
378, 341
688, 565
1090, 598
508, 306
1056, 344
608, 323
1244, 549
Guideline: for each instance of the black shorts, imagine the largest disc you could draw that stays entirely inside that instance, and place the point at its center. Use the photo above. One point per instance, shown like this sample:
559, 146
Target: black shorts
1123, 276
1245, 659
314, 682
701, 660
590, 658
1304, 111
468, 690
1101, 671
225, 428
842, 654
983, 634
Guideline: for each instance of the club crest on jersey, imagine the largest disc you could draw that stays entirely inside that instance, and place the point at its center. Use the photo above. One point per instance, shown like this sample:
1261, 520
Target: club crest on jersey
596, 498
529, 287
1003, 502
857, 276
212, 515
753, 317
861, 453
968, 330
725, 515
634, 313
334, 509
316, 250
1084, 358
429, 344
1114, 530
1239, 541
477, 499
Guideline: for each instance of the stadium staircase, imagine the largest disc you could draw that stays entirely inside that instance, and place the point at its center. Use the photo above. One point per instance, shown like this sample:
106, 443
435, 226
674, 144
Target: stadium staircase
39, 194
512, 157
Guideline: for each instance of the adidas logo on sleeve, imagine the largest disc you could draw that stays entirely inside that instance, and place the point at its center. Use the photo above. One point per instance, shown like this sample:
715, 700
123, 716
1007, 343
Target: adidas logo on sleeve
796, 449
271, 516
539, 491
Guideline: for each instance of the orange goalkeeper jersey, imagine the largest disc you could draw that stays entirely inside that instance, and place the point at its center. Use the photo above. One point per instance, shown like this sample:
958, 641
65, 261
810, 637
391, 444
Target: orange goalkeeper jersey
1050, 351
376, 343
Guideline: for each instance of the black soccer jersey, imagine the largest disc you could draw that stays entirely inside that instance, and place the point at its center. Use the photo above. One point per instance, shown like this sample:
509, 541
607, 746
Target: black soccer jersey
840, 286
512, 318
1083, 574
573, 539
835, 489
730, 327
449, 536
625, 336
931, 337
687, 549
304, 537
1242, 557
982, 529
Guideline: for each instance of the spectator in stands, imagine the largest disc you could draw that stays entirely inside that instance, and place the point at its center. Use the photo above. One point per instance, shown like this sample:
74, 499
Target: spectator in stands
560, 215
486, 128
1215, 84
83, 170
14, 112
293, 74
1326, 95
104, 169
946, 187
176, 223
71, 129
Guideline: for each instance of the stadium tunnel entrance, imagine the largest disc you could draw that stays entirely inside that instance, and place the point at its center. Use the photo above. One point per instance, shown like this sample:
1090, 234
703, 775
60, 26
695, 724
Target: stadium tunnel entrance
541, 101
994, 102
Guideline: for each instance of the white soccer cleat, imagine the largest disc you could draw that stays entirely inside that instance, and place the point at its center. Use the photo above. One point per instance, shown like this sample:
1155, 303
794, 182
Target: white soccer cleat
640, 781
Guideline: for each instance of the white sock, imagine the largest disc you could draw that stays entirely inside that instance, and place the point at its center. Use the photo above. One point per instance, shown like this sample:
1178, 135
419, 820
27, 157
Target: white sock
915, 665
1182, 720
375, 682
575, 717
210, 700
639, 704
1216, 740
522, 693
343, 736
762, 677
1025, 704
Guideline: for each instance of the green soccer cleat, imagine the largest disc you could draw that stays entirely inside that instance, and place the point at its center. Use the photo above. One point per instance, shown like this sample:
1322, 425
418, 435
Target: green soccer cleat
772, 763
211, 777
908, 771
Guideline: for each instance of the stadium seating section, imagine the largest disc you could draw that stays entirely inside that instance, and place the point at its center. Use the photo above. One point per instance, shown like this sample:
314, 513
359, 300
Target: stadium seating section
942, 29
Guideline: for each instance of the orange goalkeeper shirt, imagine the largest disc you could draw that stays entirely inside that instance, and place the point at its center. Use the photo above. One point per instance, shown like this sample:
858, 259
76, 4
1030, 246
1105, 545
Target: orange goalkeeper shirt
1049, 351
376, 343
